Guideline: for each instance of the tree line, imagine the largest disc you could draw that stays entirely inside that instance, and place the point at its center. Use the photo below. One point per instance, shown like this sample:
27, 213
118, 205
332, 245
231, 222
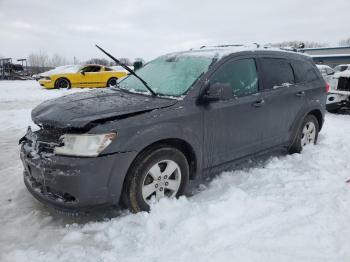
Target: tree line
42, 59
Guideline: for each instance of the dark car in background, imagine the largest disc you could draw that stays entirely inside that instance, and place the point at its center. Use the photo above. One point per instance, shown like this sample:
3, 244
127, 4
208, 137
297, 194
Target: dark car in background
211, 107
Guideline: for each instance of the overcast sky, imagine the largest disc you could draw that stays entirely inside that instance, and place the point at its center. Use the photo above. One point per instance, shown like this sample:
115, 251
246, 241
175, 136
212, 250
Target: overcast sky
141, 28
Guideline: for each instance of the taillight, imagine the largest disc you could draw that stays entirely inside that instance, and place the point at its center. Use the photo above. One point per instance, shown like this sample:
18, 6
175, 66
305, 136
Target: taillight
327, 87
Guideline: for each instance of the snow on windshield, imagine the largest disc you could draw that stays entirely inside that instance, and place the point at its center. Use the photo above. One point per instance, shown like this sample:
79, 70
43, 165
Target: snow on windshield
169, 75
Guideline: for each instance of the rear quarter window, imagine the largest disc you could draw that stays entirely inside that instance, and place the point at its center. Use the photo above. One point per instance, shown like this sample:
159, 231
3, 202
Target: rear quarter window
276, 72
304, 71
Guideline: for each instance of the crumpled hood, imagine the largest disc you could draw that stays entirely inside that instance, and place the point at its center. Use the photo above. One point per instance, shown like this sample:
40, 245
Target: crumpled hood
79, 109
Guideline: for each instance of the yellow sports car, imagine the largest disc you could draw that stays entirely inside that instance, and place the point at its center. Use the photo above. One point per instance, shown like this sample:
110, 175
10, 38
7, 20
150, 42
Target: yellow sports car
81, 76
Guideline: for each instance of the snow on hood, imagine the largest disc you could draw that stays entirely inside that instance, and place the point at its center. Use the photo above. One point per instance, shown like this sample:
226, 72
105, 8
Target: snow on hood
62, 70
79, 109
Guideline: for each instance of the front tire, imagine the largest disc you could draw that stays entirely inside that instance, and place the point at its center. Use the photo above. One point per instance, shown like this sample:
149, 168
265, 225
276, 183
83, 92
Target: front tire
307, 134
157, 173
62, 83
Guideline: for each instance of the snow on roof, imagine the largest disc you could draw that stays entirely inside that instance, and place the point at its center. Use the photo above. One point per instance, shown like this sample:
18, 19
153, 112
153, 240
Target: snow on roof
221, 51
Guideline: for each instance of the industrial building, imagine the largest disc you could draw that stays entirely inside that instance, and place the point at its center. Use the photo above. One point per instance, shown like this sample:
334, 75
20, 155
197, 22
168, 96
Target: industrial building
331, 56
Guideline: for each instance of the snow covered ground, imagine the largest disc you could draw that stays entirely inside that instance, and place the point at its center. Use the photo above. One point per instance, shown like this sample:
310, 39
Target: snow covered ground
291, 208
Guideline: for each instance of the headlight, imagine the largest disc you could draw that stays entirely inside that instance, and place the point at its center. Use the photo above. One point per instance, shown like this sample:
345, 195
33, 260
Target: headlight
87, 145
47, 78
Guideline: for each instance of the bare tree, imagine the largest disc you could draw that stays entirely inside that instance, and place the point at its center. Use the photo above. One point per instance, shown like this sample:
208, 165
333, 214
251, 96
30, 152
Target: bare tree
299, 44
345, 42
57, 60
40, 59
125, 61
100, 61
75, 60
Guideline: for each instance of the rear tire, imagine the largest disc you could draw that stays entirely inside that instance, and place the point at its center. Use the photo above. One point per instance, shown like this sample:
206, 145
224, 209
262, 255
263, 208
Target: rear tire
306, 134
157, 173
112, 82
62, 83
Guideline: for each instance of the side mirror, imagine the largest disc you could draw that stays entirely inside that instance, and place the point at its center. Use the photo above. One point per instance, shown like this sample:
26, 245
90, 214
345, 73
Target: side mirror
82, 72
216, 92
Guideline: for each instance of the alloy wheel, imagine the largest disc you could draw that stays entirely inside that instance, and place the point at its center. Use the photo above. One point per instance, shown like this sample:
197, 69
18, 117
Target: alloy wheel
162, 180
308, 135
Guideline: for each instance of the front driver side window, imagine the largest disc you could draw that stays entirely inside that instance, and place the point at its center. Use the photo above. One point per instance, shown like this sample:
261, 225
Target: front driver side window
240, 74
90, 69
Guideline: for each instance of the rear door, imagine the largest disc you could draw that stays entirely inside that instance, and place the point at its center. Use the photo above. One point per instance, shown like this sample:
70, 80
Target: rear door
283, 97
233, 128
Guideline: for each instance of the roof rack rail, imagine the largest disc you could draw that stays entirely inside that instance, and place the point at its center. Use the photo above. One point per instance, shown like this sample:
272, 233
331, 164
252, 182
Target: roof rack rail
293, 49
234, 45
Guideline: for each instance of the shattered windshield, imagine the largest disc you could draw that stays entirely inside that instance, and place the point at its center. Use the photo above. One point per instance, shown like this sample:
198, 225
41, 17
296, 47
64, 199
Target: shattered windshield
170, 75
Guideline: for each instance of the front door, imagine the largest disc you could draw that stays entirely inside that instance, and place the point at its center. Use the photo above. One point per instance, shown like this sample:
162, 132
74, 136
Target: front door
233, 128
91, 76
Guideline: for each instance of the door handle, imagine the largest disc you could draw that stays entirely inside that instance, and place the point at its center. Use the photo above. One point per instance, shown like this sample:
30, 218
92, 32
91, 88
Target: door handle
259, 103
300, 94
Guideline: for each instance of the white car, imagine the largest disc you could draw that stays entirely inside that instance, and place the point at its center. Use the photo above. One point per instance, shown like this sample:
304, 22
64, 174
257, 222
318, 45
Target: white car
341, 68
326, 72
339, 94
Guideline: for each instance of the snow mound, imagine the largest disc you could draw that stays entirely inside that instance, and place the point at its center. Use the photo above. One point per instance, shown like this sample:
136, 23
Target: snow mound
288, 208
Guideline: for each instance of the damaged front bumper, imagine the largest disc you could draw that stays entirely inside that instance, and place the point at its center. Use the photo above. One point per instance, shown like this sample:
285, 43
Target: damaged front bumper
337, 99
74, 184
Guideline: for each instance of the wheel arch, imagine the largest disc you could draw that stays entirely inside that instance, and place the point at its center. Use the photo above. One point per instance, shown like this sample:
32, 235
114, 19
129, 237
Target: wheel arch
317, 113
179, 144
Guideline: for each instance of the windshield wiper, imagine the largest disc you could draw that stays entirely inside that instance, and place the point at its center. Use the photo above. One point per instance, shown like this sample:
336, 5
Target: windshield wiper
129, 70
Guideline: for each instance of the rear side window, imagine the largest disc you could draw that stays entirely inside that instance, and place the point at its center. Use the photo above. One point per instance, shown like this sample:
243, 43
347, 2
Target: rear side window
304, 71
276, 72
240, 74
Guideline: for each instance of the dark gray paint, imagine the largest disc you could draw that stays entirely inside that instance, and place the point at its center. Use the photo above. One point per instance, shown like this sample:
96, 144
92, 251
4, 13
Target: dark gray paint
218, 132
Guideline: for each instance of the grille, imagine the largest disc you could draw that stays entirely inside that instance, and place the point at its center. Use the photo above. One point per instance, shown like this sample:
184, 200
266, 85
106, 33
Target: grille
344, 84
44, 140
